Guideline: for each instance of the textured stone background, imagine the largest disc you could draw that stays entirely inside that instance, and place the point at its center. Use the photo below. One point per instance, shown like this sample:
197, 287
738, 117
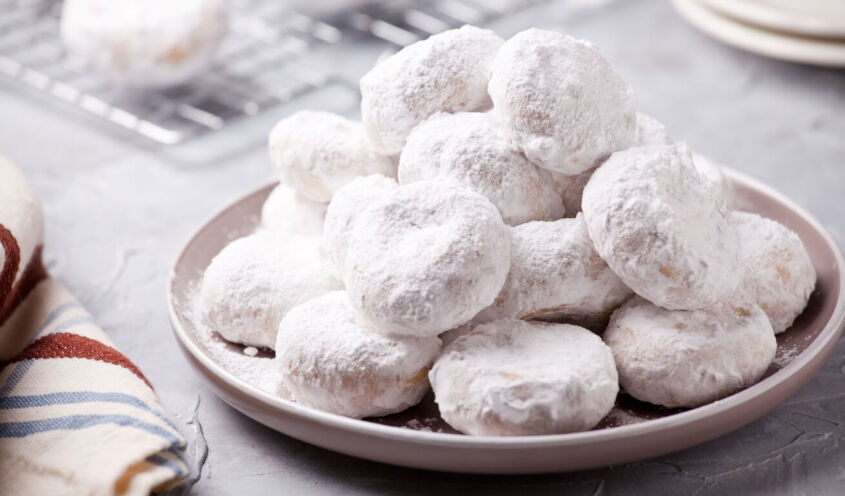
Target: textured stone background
118, 212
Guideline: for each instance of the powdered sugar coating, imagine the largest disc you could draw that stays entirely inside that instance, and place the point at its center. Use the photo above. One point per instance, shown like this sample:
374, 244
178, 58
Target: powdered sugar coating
556, 273
255, 280
661, 228
287, 211
571, 189
678, 358
144, 43
715, 176
426, 257
470, 148
332, 360
320, 152
346, 204
513, 378
447, 72
779, 274
650, 131
560, 101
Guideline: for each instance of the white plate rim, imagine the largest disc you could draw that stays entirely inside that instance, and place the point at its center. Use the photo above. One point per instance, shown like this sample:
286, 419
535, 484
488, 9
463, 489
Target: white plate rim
769, 17
814, 51
831, 331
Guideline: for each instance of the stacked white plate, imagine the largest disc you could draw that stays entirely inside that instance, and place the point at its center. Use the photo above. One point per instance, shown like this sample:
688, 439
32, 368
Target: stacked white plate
806, 31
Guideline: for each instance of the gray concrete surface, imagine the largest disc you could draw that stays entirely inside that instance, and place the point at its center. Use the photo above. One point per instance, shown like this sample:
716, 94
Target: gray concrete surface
117, 213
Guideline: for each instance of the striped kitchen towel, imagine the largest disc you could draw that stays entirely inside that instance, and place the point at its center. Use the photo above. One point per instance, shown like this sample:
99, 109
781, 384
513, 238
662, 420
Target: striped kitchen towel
76, 416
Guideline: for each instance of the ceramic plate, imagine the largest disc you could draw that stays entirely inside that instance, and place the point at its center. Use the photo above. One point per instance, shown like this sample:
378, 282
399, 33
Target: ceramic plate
419, 438
818, 18
808, 50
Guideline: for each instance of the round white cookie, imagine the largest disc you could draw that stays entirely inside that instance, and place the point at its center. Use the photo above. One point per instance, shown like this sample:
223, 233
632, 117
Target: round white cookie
447, 72
661, 228
319, 152
560, 101
518, 378
255, 280
470, 148
779, 274
686, 358
345, 206
651, 132
556, 274
287, 211
426, 257
332, 360
144, 43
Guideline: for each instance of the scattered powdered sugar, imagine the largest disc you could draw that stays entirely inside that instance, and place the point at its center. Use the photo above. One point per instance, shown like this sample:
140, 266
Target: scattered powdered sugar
472, 149
786, 354
619, 417
560, 101
258, 370
448, 72
427, 424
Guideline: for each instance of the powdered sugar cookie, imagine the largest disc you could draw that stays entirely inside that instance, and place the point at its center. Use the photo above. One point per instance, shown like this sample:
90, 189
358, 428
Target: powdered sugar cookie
448, 72
426, 257
556, 273
779, 275
319, 152
346, 204
285, 210
332, 360
678, 358
651, 132
661, 227
560, 101
253, 282
144, 43
516, 378
471, 149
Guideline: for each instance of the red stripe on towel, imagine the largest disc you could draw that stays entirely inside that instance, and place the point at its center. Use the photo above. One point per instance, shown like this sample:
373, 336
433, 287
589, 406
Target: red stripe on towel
31, 276
68, 345
10, 265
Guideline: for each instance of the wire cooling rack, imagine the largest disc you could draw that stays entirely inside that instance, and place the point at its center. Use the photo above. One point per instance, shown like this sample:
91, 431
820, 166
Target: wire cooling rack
265, 60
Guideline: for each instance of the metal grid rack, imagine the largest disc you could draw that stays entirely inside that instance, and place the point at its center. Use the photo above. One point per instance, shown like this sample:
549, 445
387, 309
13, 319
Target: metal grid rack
265, 60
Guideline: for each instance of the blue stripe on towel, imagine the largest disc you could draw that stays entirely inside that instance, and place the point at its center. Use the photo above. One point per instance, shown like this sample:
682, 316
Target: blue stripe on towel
164, 462
79, 397
16, 376
71, 323
78, 422
56, 313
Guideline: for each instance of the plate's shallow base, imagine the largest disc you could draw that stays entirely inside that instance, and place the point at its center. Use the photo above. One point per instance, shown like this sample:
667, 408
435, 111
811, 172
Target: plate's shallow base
418, 437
